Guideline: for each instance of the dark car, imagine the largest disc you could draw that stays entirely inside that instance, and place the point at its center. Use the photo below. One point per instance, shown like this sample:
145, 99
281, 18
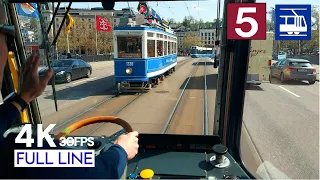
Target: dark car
293, 69
67, 70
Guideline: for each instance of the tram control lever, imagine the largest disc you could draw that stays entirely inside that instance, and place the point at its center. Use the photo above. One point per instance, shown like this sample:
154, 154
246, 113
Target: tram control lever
219, 160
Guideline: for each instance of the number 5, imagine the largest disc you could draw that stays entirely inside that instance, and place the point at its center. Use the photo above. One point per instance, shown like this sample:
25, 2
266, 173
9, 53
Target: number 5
251, 21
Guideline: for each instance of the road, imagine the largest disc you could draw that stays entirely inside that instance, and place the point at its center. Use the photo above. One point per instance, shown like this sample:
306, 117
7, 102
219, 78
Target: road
67, 94
283, 122
280, 120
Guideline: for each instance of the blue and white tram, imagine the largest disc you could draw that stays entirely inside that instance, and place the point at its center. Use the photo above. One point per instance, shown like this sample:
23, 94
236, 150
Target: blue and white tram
142, 56
197, 52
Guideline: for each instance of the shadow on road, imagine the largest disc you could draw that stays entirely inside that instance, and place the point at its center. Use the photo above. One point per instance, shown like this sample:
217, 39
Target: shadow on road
212, 80
251, 87
291, 82
203, 64
101, 86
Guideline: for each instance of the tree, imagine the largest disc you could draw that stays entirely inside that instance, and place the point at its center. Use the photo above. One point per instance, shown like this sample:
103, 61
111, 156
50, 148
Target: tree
83, 38
33, 25
191, 39
170, 21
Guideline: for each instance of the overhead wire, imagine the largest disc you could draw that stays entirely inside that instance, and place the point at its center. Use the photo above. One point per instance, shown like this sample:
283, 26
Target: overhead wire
187, 8
168, 8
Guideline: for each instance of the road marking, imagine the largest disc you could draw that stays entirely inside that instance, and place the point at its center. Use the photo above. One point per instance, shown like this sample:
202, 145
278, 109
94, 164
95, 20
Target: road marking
296, 95
84, 80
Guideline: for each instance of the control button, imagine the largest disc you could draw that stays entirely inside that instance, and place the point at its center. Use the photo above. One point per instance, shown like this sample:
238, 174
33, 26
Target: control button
146, 174
219, 160
220, 150
133, 176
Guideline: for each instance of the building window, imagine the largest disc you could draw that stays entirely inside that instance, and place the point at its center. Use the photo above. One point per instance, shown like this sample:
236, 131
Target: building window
151, 48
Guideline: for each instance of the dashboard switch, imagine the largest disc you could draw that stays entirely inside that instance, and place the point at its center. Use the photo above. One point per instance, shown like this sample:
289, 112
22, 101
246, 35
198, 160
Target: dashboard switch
133, 176
220, 150
219, 160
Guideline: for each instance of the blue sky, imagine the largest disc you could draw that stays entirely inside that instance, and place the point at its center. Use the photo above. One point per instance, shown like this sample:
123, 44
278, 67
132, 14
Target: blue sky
206, 10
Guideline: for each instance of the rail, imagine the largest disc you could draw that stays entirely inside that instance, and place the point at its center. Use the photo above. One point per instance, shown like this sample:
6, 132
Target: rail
205, 108
205, 122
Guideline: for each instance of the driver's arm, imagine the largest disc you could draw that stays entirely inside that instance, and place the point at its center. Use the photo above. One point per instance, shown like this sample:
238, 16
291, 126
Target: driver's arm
9, 113
108, 165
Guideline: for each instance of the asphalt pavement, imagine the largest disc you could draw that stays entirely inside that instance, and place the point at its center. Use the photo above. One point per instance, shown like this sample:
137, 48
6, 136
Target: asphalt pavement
68, 94
283, 122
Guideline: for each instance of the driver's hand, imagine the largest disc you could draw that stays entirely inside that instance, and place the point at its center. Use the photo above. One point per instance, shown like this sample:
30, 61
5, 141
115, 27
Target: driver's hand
30, 87
129, 142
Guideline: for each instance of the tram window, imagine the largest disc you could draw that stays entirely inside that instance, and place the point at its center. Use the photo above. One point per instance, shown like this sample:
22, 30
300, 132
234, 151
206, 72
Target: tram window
175, 48
172, 50
129, 47
165, 48
160, 48
169, 47
150, 34
151, 48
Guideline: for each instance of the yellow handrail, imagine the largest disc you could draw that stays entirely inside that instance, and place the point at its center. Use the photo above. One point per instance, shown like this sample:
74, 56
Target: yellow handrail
15, 79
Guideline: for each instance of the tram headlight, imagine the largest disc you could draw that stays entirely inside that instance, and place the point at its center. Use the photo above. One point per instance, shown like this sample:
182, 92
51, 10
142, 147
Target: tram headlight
129, 71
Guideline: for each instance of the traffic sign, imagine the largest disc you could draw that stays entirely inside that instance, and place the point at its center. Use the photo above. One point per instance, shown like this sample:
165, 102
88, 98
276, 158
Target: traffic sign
293, 22
247, 21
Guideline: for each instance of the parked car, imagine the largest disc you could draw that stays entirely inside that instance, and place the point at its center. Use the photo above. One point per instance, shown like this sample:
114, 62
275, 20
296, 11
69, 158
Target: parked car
293, 69
67, 70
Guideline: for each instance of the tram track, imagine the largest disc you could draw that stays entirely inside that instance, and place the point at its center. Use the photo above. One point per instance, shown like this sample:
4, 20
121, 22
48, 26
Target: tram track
107, 100
173, 122
98, 126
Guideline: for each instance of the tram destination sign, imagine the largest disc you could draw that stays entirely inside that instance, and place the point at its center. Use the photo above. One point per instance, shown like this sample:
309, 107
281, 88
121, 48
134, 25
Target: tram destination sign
246, 21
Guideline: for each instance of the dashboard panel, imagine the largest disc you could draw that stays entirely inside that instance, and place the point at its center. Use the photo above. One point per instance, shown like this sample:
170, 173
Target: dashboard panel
170, 156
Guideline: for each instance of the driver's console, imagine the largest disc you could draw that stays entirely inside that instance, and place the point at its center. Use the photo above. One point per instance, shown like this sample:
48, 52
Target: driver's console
164, 156
184, 157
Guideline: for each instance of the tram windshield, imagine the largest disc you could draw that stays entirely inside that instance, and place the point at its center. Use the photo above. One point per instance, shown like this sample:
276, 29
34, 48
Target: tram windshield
280, 130
129, 47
